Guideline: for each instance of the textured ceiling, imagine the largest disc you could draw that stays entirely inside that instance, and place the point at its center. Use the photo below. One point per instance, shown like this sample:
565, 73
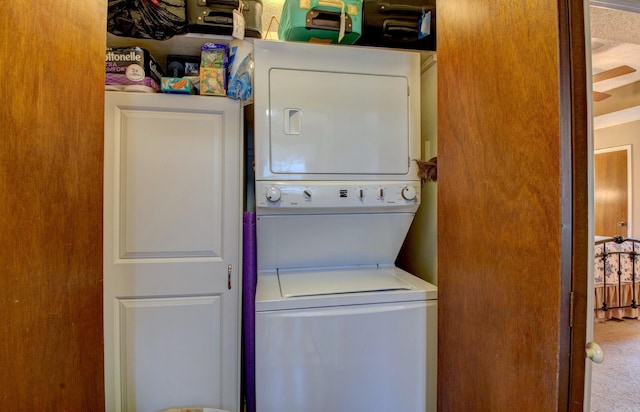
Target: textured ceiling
615, 41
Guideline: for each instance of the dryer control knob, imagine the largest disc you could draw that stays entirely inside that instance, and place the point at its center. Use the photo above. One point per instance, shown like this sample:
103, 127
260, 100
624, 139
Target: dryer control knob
409, 193
273, 194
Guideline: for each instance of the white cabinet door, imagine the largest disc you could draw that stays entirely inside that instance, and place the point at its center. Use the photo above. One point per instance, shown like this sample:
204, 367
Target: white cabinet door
172, 233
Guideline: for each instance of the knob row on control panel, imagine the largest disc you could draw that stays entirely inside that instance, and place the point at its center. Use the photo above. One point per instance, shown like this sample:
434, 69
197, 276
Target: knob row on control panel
333, 195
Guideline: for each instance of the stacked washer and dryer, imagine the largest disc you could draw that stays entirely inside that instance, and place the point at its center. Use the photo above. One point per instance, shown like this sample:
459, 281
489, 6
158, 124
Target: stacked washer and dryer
338, 326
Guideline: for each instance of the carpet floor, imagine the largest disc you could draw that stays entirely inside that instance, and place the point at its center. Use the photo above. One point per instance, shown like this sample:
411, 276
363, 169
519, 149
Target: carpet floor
615, 383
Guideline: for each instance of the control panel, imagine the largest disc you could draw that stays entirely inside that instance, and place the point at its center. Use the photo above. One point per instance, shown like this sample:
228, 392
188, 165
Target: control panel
330, 195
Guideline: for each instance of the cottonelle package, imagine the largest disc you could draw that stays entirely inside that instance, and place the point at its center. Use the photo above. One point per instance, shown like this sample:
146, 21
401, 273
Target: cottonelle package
132, 69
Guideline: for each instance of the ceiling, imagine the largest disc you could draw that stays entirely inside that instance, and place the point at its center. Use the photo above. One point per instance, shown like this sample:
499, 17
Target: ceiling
615, 41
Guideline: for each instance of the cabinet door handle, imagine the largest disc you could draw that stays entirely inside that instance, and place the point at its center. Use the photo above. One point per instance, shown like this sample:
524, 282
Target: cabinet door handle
229, 276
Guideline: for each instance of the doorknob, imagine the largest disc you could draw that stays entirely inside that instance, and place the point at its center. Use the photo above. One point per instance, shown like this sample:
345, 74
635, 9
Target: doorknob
623, 224
594, 352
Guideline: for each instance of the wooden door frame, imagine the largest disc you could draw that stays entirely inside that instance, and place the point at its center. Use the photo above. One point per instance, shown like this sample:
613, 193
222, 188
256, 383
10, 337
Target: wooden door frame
628, 150
576, 113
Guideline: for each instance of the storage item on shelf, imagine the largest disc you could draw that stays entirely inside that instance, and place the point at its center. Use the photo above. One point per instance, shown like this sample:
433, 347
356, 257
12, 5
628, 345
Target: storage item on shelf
407, 24
131, 69
177, 85
321, 21
147, 19
252, 13
186, 67
216, 16
179, 66
240, 70
213, 69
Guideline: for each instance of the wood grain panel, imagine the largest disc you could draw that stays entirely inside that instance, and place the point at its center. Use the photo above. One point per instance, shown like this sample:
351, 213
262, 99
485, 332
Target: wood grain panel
51, 205
611, 193
503, 256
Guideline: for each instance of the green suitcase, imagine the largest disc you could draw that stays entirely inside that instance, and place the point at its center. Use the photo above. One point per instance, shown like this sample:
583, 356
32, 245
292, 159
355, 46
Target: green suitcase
321, 21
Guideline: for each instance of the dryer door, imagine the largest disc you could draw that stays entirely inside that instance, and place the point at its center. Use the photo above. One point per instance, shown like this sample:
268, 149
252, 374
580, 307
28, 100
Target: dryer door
338, 123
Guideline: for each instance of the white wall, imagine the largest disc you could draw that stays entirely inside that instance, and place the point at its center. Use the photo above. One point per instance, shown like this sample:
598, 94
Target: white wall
271, 10
419, 252
620, 135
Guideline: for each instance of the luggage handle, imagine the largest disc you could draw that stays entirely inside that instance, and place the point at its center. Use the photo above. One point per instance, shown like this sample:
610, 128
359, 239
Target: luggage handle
219, 19
323, 19
403, 8
327, 20
231, 3
399, 30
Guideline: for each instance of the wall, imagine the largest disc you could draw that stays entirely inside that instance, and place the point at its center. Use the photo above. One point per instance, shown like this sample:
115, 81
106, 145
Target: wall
620, 135
271, 10
419, 252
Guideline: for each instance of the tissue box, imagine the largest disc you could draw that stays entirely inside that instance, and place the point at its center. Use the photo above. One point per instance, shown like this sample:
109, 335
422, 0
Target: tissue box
177, 85
213, 69
132, 69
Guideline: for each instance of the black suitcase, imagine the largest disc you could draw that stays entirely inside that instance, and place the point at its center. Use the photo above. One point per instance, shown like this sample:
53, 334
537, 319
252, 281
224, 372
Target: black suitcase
409, 24
216, 16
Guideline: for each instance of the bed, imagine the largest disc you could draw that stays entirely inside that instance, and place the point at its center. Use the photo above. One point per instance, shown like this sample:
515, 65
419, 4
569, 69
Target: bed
616, 277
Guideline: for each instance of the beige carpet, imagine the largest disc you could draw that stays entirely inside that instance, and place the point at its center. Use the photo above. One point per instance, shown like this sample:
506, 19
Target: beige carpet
615, 385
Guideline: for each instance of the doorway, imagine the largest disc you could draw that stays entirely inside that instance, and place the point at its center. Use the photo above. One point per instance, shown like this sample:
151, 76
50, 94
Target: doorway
613, 28
612, 188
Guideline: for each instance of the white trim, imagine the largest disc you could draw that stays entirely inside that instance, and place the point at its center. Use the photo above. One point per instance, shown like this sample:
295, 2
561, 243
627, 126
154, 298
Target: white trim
628, 149
615, 118
624, 5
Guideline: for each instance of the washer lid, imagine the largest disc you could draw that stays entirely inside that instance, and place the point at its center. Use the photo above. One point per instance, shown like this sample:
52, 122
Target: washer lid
314, 282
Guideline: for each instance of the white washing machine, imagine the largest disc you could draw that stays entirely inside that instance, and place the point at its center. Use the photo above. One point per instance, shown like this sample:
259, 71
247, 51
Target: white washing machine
338, 326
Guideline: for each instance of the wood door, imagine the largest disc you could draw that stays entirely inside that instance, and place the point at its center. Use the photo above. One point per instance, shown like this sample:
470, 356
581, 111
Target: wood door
52, 97
173, 200
611, 193
512, 204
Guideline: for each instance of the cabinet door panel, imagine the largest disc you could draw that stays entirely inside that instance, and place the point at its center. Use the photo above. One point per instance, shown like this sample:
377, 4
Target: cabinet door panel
168, 350
169, 185
171, 251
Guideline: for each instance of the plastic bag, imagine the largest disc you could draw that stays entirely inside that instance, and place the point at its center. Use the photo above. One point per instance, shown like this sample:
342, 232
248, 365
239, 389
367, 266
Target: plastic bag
147, 19
240, 74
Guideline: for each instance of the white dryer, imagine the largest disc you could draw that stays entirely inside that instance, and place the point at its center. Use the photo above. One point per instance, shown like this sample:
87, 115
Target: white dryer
338, 326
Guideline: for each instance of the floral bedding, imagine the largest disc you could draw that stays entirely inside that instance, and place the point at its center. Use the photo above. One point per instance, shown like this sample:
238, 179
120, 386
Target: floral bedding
610, 264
